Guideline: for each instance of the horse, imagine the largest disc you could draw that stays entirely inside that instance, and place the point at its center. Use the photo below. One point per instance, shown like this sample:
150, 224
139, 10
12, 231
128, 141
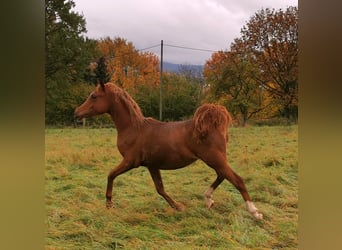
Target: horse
159, 145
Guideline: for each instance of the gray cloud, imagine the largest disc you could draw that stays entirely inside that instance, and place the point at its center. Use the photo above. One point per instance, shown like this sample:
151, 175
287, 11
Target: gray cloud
204, 24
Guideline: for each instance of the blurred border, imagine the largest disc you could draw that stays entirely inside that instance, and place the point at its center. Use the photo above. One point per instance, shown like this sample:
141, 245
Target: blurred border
320, 136
22, 125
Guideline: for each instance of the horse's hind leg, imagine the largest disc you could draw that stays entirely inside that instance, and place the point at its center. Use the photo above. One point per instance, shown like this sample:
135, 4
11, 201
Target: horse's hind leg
208, 196
158, 182
237, 181
219, 163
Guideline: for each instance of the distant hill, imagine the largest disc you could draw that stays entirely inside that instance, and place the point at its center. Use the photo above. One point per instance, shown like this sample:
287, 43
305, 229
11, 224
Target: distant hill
172, 67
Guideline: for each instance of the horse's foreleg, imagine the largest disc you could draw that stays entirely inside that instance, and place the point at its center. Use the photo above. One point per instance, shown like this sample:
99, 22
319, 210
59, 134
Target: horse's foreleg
158, 182
123, 167
209, 193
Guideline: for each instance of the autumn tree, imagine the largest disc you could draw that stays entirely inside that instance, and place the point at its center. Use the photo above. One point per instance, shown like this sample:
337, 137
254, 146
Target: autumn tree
258, 76
127, 66
230, 75
272, 36
133, 70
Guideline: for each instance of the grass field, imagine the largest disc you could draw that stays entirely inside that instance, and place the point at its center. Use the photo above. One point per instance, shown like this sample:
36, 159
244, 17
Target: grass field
77, 164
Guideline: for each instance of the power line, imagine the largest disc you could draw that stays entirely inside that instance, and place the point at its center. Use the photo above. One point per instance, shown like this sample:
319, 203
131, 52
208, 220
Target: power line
189, 48
129, 53
153, 46
179, 47
168, 45
161, 64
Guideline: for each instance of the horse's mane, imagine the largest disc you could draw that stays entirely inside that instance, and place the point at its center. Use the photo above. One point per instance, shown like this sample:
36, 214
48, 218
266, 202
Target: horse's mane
211, 116
133, 108
206, 117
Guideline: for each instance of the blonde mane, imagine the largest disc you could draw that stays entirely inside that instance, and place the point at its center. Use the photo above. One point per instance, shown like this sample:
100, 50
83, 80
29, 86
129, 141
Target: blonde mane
211, 116
133, 108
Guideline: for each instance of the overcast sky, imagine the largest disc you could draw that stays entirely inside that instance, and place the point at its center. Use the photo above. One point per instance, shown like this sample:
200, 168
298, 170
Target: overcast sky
202, 24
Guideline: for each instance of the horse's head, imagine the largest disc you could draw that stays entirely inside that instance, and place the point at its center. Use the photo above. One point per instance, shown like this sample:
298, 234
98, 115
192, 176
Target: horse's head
98, 102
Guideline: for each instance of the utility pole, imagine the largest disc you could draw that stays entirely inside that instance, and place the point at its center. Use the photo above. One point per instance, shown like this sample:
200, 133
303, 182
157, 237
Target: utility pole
161, 82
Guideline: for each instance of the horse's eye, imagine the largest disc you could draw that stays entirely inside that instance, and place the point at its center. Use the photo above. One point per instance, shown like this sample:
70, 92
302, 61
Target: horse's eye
93, 96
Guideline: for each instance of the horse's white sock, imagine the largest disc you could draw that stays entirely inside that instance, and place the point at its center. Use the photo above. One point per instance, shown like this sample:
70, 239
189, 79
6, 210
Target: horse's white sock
208, 197
253, 210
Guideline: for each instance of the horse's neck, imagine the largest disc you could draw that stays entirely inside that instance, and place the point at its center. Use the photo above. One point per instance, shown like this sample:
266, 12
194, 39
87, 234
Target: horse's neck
121, 118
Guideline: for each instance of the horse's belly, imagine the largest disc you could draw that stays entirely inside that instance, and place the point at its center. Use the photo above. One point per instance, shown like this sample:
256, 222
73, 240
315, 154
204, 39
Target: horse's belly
168, 148
169, 159
168, 165
176, 164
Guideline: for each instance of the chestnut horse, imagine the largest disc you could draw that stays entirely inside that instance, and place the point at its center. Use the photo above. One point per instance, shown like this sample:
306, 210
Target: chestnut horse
165, 145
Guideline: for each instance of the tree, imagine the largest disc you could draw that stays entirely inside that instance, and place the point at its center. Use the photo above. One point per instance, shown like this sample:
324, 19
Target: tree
258, 77
230, 75
126, 66
67, 56
180, 97
272, 36
101, 72
67, 52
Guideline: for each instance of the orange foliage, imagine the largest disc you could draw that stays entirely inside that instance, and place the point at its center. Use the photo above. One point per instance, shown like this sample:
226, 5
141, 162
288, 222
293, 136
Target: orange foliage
127, 66
214, 66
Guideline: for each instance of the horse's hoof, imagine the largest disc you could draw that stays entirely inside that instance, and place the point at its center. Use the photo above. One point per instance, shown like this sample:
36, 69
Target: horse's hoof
179, 207
253, 210
208, 197
257, 215
109, 204
210, 203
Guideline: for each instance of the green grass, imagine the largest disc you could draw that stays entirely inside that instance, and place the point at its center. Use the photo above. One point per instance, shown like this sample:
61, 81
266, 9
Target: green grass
77, 164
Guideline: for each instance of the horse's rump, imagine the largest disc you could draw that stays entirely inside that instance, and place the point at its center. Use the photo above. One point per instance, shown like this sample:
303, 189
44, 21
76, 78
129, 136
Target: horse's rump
209, 117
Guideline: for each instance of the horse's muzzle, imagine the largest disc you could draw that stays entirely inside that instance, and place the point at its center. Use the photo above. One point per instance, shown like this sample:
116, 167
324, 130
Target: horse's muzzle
77, 115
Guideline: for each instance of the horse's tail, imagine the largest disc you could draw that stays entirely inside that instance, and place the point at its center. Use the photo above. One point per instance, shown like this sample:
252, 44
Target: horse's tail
209, 117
